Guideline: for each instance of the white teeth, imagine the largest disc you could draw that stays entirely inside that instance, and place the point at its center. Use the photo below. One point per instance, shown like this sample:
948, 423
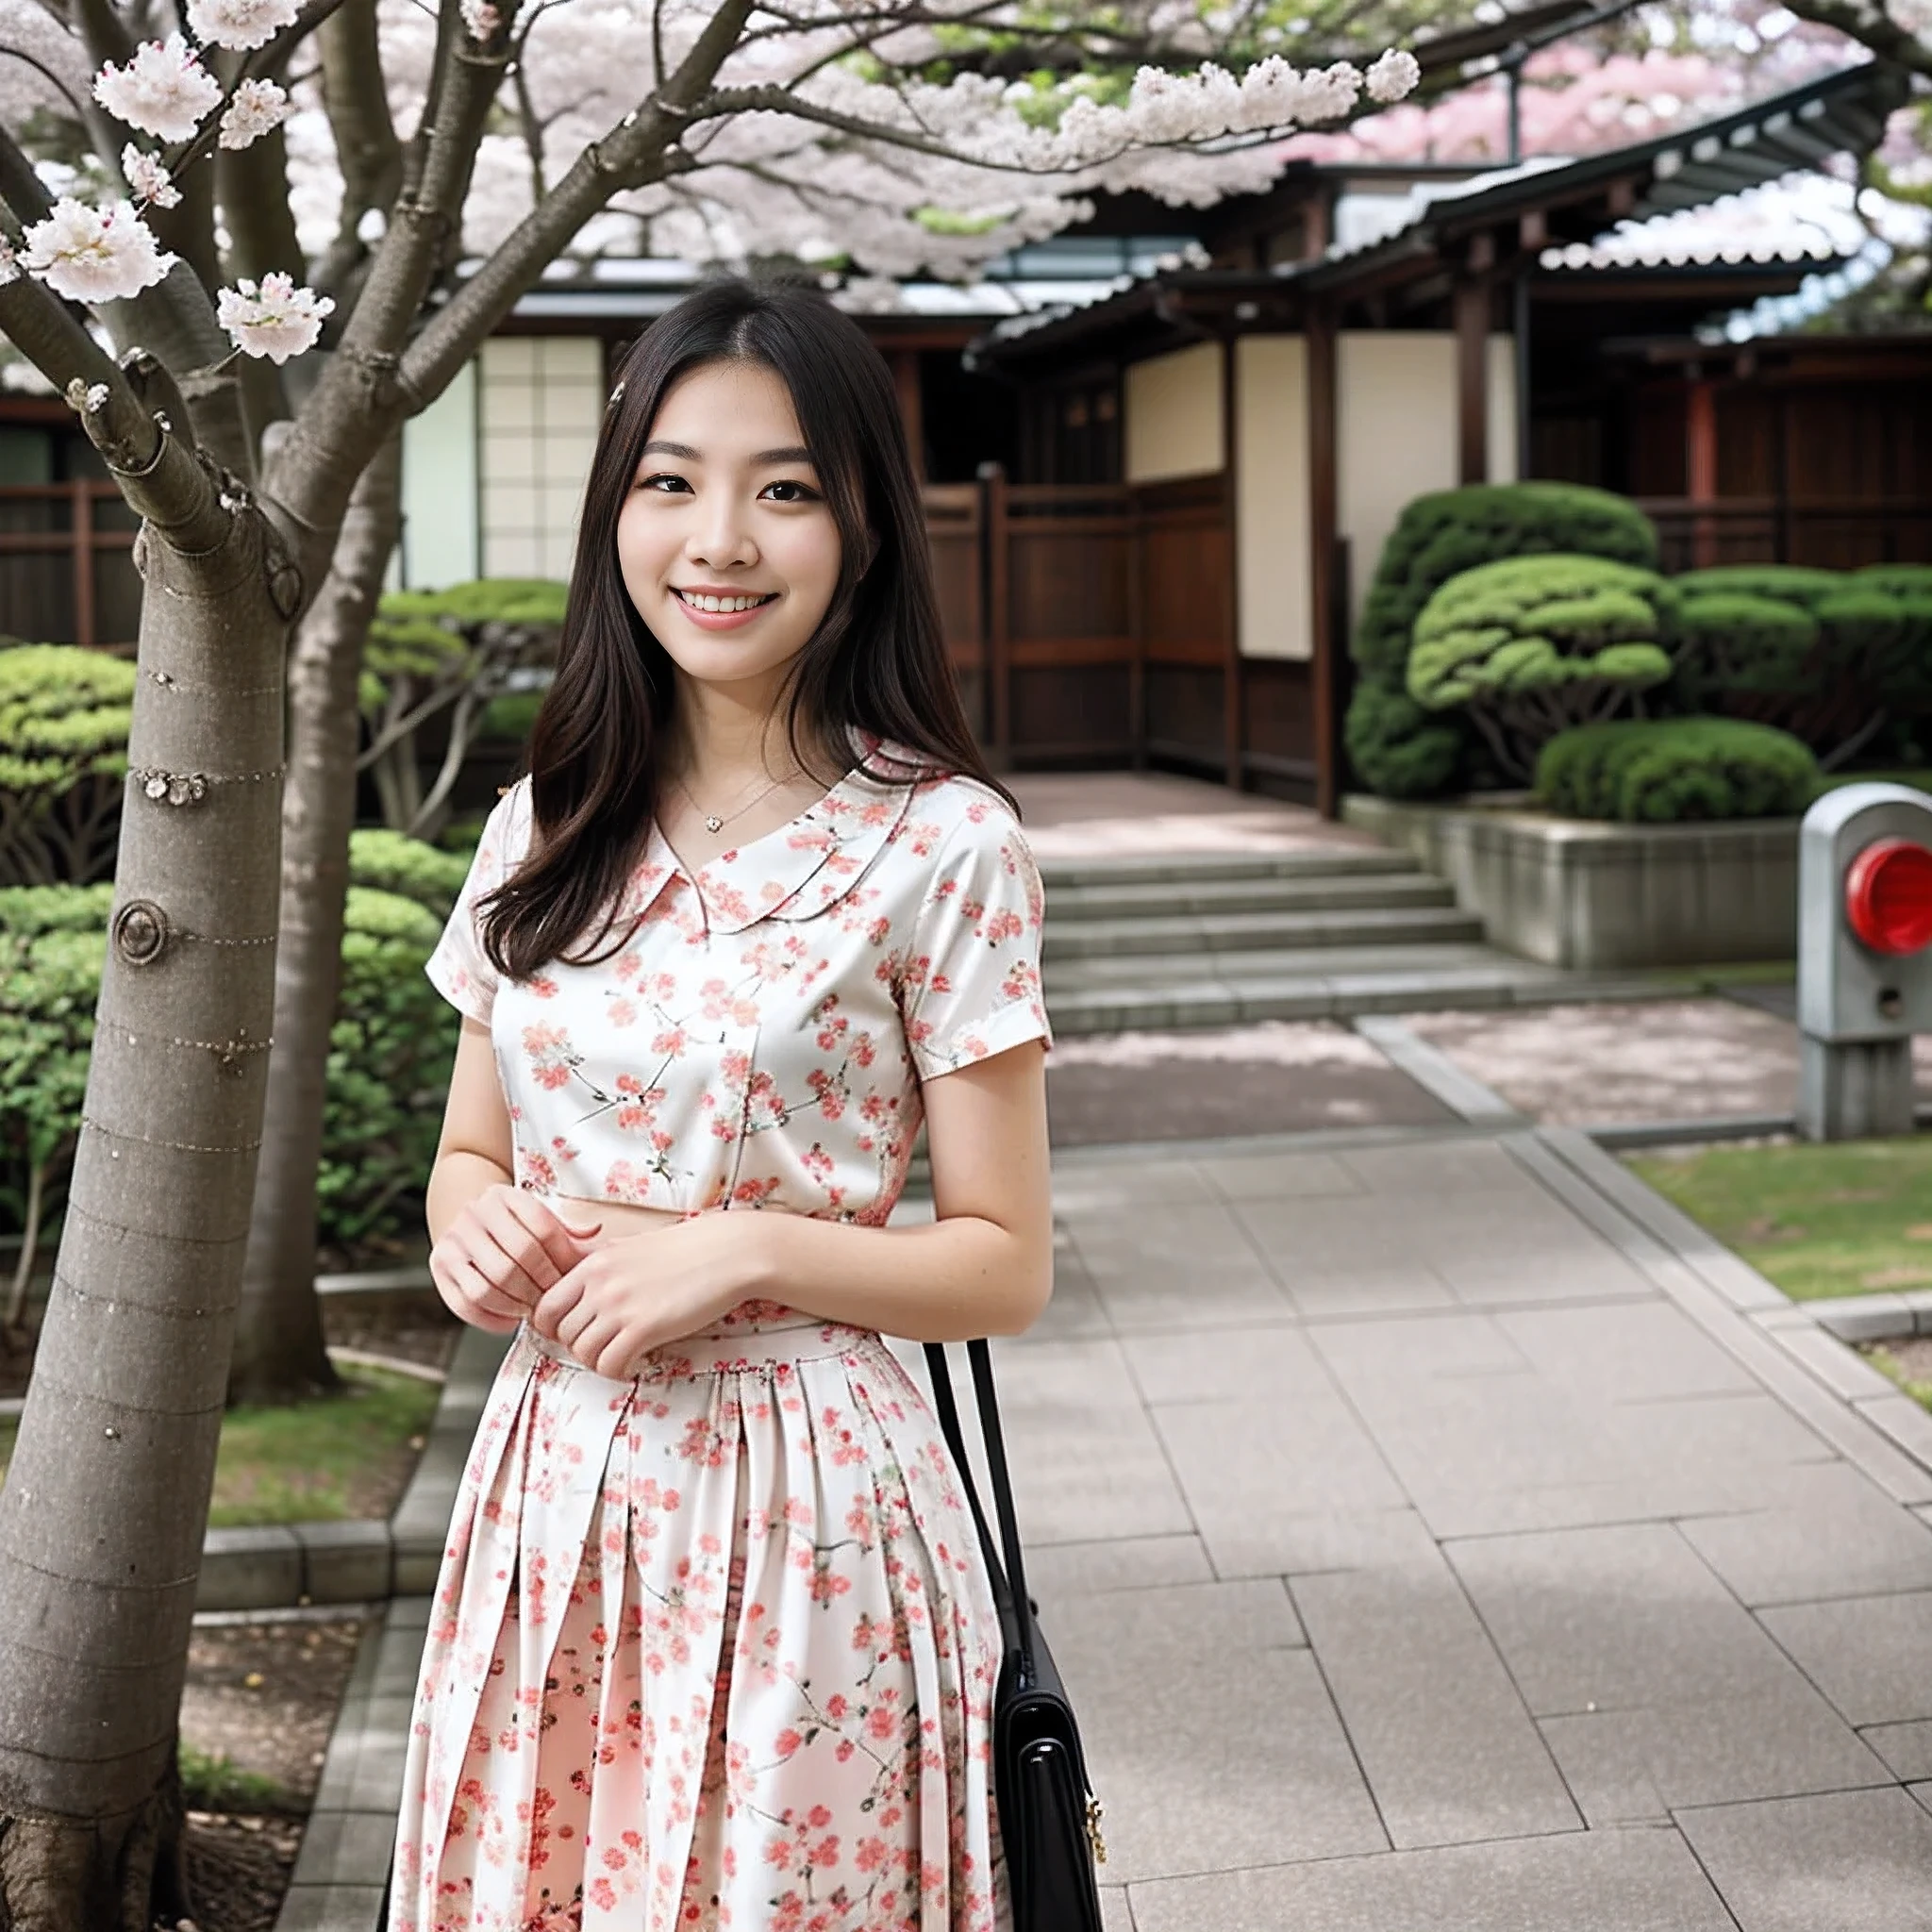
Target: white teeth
719, 603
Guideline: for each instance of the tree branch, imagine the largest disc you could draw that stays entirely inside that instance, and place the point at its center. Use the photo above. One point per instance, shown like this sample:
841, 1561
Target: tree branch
367, 150
1870, 27
637, 151
160, 476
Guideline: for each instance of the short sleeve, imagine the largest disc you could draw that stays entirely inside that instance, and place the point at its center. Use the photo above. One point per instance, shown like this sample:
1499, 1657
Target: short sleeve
971, 971
457, 966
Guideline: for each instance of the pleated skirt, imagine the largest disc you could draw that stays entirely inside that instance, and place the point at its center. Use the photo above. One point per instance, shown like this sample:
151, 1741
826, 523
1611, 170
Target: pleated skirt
710, 1648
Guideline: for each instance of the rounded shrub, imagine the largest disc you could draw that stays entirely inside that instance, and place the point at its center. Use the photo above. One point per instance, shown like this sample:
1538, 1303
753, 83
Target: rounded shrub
1399, 750
1530, 645
1437, 535
1742, 640
1787, 583
1670, 771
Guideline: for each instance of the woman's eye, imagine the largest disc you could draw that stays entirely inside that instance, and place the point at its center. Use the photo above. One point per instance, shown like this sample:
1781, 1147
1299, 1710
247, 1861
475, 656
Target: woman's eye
799, 493
665, 480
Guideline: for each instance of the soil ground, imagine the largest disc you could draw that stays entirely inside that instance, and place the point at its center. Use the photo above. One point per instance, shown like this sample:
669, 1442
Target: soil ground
255, 1720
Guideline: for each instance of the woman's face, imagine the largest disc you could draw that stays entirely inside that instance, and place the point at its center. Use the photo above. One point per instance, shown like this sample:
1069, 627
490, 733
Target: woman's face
728, 546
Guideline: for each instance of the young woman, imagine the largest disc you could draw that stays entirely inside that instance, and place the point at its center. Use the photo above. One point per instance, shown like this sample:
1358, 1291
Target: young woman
713, 1645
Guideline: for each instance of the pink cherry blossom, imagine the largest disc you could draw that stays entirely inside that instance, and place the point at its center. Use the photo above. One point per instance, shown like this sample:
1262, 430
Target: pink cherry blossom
164, 90
94, 255
277, 319
257, 105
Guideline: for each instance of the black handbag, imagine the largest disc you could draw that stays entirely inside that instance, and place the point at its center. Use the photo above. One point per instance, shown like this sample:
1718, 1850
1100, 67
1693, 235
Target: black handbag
1049, 1817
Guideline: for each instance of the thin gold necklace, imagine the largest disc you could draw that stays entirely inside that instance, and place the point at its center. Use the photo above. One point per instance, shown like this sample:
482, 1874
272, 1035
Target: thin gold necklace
714, 822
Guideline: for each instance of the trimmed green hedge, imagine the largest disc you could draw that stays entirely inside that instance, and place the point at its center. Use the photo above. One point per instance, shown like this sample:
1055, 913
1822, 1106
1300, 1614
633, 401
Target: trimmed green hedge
1667, 770
1397, 748
64, 716
390, 1049
1847, 666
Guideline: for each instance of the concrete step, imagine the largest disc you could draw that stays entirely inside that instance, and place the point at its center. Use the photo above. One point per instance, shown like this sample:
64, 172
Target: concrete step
1192, 868
1193, 938
1300, 986
1068, 904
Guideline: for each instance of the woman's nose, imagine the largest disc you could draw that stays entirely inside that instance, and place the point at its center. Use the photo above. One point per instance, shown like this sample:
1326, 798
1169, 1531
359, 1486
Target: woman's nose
721, 537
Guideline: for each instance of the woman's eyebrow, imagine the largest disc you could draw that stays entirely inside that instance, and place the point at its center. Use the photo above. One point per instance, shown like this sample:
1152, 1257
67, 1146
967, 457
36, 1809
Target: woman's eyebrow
684, 453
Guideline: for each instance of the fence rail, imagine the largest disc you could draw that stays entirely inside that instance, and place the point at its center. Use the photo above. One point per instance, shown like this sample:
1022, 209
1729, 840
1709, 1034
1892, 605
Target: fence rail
1828, 532
66, 573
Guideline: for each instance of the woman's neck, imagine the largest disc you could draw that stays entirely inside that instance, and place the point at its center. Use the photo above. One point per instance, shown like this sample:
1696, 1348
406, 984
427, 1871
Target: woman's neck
720, 738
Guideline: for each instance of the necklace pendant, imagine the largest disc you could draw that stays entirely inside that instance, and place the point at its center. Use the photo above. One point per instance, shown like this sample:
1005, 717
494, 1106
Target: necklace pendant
714, 824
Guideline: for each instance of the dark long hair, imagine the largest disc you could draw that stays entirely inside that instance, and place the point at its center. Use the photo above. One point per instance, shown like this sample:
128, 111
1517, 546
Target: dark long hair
877, 661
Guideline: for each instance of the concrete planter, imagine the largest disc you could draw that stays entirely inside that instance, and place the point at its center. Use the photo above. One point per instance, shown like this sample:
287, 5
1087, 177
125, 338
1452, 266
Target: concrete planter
1579, 894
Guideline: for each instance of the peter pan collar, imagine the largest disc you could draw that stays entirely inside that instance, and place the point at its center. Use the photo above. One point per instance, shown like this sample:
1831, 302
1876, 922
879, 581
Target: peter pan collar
802, 868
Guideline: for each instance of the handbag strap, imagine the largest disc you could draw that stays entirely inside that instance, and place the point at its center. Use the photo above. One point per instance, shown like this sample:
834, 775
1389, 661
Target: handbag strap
1009, 1579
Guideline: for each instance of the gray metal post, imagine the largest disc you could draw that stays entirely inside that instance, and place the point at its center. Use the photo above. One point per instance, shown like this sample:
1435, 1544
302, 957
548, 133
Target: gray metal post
1860, 1089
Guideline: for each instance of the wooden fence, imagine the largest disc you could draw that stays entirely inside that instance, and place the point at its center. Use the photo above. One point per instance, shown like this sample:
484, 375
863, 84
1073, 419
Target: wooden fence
66, 574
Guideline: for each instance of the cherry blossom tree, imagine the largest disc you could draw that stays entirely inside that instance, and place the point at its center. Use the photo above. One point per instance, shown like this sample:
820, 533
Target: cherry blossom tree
246, 245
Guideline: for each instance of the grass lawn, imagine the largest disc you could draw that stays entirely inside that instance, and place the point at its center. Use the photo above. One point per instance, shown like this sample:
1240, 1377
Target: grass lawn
1850, 1218
316, 1461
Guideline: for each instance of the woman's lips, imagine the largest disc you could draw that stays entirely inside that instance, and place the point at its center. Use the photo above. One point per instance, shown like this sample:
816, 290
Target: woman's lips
723, 620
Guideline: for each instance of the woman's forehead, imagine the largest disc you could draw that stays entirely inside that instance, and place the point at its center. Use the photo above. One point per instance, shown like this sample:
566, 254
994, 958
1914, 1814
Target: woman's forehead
740, 409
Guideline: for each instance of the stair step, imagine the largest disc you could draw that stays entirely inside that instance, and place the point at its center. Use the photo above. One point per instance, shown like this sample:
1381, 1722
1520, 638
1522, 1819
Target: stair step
1157, 899
1175, 973
1192, 868
1208, 934
1478, 978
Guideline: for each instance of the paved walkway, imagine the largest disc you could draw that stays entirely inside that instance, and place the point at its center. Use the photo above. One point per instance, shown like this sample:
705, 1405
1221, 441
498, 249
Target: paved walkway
1074, 815
1434, 1533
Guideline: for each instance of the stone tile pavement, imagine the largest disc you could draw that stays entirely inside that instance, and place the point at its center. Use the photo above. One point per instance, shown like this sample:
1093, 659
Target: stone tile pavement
1428, 1541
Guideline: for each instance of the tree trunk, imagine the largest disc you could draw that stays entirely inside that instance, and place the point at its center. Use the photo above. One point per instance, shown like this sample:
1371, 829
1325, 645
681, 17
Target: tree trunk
102, 1514
280, 1353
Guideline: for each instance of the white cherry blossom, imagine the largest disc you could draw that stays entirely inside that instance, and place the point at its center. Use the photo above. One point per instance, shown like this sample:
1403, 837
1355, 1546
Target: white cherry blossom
148, 177
164, 90
94, 255
257, 106
241, 24
481, 18
1392, 75
10, 262
276, 319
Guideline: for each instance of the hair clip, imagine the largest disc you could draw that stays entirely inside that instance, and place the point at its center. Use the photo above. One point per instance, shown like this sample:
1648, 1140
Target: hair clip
616, 394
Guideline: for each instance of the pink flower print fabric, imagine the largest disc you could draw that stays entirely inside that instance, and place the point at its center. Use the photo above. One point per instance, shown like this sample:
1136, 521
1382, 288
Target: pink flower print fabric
759, 1038
712, 1648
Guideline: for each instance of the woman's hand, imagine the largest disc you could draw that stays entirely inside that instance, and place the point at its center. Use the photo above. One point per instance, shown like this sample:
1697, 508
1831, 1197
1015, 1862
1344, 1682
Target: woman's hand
501, 1252
639, 1291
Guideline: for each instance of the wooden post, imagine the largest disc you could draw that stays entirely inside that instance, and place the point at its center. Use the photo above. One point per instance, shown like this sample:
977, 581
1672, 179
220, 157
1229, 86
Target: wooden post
999, 657
1233, 696
1318, 330
82, 518
911, 406
1137, 629
1472, 307
1700, 466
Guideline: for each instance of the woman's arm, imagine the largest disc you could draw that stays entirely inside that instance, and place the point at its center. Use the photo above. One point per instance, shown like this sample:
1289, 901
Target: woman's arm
495, 1248
984, 1266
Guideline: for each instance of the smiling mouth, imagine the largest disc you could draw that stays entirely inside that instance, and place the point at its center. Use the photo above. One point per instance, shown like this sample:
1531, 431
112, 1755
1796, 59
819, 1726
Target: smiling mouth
717, 607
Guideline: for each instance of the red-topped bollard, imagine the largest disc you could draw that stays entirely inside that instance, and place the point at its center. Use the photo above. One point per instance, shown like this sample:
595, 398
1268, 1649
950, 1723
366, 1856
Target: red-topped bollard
1864, 958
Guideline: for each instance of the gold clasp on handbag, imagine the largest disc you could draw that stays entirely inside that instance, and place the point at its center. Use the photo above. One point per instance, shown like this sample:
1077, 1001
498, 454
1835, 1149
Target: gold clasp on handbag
1094, 1835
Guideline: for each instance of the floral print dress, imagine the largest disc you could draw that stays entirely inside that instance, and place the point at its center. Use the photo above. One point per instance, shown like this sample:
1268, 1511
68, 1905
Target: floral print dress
711, 1647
